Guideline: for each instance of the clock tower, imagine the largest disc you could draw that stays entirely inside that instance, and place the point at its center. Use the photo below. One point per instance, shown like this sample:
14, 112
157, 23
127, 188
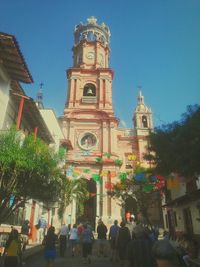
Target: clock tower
88, 120
90, 78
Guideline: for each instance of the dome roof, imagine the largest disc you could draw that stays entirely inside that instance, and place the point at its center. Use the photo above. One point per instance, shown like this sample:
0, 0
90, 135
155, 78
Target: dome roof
92, 31
141, 107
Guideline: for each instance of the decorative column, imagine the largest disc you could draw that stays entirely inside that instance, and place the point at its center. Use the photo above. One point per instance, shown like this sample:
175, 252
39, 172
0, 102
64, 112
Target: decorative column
100, 94
98, 202
73, 211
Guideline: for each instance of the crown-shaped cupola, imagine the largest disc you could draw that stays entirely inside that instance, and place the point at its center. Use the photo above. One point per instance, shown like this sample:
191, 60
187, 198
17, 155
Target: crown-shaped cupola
91, 45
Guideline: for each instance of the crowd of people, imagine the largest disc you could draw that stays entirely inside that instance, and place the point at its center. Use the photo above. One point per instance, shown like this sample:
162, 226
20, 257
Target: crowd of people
77, 239
130, 244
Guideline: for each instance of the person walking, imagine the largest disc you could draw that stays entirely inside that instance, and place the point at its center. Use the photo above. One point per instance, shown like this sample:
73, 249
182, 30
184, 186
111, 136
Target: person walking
73, 237
79, 241
112, 238
130, 224
122, 239
49, 243
68, 242
87, 239
139, 249
12, 249
63, 239
25, 233
101, 232
41, 227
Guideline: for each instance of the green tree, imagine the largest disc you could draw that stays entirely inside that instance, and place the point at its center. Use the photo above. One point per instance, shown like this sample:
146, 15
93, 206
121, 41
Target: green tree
28, 169
175, 147
73, 189
143, 190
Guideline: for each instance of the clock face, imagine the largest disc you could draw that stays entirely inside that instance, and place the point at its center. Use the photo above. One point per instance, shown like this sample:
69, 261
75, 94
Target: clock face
90, 55
87, 141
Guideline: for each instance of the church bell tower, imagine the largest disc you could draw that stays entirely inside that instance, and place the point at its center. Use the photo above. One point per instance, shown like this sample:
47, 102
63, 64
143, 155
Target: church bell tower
142, 117
88, 120
89, 110
143, 125
90, 78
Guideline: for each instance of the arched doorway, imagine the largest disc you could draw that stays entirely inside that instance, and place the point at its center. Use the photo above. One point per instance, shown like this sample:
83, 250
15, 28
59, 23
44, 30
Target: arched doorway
89, 207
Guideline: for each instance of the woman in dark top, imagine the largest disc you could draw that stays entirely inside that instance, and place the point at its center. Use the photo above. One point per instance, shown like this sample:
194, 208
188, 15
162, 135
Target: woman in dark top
122, 240
139, 249
49, 243
101, 231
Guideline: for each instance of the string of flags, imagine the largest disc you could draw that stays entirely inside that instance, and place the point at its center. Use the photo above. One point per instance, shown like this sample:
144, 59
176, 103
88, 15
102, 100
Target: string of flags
148, 181
101, 157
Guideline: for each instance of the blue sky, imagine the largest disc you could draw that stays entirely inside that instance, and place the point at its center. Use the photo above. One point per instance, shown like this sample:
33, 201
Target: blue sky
154, 44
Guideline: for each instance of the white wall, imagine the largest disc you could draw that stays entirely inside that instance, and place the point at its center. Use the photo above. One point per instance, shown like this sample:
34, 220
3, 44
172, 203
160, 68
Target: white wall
4, 95
53, 126
195, 217
195, 214
179, 191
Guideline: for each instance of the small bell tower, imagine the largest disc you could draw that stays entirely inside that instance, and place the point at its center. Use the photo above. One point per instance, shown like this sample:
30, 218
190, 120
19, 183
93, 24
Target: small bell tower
142, 117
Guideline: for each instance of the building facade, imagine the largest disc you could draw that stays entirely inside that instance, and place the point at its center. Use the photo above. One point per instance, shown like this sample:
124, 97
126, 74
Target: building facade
16, 108
181, 206
101, 150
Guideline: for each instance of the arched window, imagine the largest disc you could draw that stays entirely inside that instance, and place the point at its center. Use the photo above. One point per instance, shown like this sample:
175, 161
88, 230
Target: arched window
91, 36
144, 121
89, 90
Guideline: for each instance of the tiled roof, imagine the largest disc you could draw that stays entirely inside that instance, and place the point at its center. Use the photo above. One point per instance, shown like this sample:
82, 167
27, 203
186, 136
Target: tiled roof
12, 59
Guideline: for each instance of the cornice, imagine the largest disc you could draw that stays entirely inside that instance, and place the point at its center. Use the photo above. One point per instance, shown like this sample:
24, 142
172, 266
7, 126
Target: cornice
98, 71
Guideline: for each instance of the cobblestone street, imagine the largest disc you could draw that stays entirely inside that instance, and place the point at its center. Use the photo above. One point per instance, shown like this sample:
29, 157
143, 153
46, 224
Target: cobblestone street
72, 262
69, 261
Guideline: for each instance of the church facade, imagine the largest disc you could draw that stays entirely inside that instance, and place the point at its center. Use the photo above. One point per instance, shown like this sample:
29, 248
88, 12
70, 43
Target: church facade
100, 149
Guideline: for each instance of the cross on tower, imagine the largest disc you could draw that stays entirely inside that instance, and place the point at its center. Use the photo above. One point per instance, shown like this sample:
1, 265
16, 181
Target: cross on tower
41, 85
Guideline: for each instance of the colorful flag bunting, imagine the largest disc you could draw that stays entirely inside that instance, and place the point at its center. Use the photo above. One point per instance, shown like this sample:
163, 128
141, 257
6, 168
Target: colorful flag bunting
96, 177
109, 185
132, 157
